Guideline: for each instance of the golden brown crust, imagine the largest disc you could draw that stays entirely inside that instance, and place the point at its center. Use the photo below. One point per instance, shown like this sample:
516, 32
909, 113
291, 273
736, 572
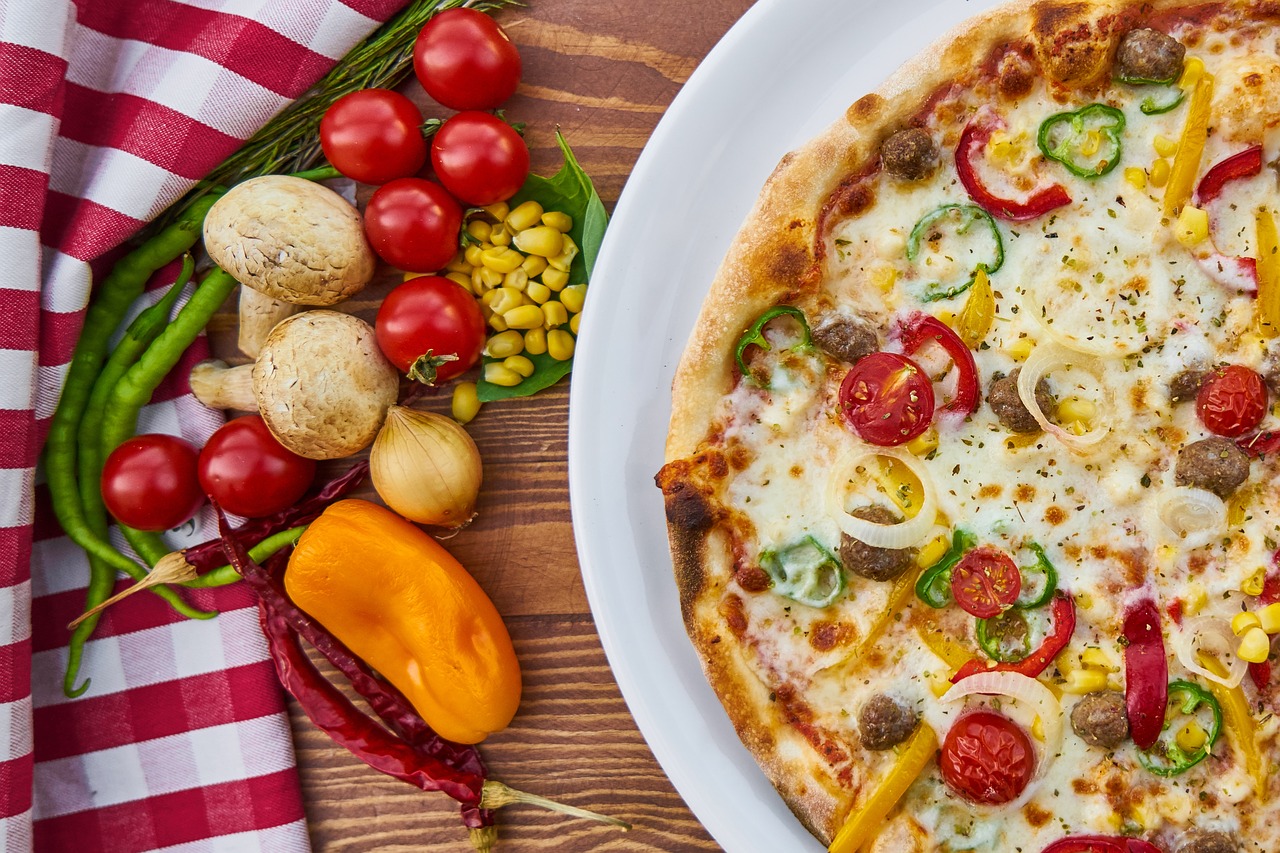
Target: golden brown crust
775, 257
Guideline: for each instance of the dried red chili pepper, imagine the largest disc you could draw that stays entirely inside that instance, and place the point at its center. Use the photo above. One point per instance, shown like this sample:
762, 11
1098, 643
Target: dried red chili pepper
208, 556
387, 702
973, 139
1146, 672
440, 765
1064, 625
921, 329
333, 714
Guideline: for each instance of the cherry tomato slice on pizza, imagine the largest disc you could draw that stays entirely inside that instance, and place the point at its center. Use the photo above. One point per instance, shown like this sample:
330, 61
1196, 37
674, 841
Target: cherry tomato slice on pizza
987, 758
1232, 401
986, 582
887, 399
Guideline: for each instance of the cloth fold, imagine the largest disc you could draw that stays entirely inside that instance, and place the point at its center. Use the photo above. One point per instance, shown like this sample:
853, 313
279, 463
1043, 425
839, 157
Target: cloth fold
109, 111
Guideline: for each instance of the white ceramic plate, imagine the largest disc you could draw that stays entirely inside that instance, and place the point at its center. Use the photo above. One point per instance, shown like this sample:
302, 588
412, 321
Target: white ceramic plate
783, 73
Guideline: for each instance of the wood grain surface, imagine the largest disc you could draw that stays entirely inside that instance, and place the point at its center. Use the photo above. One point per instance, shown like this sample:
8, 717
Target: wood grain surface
604, 73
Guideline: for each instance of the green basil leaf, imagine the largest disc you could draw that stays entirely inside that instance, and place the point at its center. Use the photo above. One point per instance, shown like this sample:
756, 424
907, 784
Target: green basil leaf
570, 191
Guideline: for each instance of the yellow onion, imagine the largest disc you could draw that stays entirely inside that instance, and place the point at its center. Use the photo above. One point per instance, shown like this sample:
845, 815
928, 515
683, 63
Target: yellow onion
426, 468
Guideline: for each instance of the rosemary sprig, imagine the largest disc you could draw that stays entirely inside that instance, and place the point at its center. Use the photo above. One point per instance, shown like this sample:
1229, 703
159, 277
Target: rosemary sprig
290, 141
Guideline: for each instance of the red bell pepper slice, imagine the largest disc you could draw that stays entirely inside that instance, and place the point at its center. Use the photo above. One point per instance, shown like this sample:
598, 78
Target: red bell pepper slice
1064, 625
1260, 673
973, 140
1240, 274
1260, 445
921, 329
1101, 844
1246, 164
1146, 673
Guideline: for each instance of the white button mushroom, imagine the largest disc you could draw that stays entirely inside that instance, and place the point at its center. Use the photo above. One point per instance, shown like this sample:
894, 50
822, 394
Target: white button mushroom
320, 383
290, 242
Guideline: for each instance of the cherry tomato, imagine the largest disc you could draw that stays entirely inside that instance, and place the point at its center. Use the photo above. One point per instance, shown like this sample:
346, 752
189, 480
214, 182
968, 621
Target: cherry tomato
413, 224
1232, 401
248, 472
373, 136
465, 61
887, 399
985, 582
150, 483
479, 158
987, 758
430, 317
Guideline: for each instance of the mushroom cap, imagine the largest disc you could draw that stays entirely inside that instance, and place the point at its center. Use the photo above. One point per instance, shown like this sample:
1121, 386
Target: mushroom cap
290, 239
323, 386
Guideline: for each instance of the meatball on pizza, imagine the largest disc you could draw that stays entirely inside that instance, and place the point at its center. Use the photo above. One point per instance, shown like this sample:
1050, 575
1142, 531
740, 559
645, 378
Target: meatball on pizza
971, 478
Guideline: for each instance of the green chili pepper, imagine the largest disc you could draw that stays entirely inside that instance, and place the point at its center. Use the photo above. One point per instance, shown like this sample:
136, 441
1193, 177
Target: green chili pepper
1145, 81
805, 572
1062, 136
1000, 636
934, 585
1167, 758
226, 575
134, 390
967, 214
1040, 594
754, 336
1152, 107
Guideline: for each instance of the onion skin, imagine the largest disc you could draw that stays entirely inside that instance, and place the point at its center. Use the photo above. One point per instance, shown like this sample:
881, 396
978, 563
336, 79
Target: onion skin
426, 467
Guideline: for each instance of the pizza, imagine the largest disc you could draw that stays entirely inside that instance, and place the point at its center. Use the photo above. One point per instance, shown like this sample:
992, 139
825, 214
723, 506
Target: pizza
970, 481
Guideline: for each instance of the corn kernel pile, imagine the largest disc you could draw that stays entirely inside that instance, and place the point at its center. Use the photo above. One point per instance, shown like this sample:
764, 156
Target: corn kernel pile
518, 267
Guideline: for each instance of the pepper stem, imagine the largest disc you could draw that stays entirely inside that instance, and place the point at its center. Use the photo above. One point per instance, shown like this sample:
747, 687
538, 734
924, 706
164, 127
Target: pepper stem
496, 795
172, 568
483, 838
424, 369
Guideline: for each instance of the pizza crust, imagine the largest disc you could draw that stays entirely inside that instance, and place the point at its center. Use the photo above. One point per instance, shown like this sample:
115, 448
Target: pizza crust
775, 258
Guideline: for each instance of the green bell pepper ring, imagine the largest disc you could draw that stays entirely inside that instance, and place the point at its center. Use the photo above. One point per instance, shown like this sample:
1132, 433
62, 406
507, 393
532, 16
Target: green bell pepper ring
1046, 576
1151, 106
968, 214
934, 585
754, 336
805, 572
1167, 758
1005, 638
1063, 135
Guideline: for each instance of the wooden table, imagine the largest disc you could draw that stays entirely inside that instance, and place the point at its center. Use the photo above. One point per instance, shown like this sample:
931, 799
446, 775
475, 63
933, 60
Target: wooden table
604, 72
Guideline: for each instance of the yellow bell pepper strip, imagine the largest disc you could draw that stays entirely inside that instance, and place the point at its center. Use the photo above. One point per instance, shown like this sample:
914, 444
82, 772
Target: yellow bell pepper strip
1268, 273
865, 822
400, 602
979, 311
900, 485
1239, 724
1186, 164
952, 653
903, 588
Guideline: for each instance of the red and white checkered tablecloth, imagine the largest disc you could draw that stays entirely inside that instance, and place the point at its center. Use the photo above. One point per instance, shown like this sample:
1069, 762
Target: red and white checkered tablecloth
110, 110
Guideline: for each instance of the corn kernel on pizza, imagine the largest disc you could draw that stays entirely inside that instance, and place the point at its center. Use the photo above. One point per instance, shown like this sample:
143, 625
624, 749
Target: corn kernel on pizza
971, 478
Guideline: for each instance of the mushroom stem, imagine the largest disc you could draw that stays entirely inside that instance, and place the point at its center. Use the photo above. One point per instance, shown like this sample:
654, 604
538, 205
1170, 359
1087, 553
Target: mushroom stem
221, 387
259, 314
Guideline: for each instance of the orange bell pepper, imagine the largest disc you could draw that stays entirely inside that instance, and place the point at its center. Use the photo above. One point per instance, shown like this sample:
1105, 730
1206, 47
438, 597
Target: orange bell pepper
405, 606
